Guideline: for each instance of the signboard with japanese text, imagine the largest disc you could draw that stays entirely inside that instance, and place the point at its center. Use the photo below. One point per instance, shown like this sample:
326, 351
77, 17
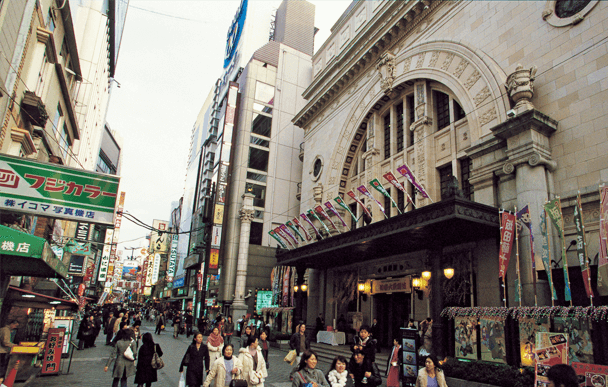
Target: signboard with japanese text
263, 299
155, 269
52, 351
117, 224
159, 239
172, 257
214, 258
179, 282
56, 191
218, 214
403, 284
76, 265
551, 349
594, 375
216, 235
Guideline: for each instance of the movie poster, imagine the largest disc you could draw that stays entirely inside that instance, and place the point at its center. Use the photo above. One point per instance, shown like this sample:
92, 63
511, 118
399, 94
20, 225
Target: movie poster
528, 327
493, 340
593, 375
465, 335
579, 337
551, 349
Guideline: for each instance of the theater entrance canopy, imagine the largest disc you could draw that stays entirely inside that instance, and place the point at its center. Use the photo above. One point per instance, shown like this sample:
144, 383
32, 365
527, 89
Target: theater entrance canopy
449, 222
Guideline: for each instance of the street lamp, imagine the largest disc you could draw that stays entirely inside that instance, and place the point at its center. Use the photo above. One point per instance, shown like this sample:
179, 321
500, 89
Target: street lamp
448, 272
426, 275
295, 288
304, 287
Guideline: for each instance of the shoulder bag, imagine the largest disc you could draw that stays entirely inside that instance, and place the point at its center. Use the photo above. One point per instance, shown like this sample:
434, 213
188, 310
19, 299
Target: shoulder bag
128, 353
238, 383
157, 362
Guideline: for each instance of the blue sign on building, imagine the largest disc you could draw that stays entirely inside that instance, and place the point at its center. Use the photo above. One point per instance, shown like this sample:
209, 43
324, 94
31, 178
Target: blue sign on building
179, 282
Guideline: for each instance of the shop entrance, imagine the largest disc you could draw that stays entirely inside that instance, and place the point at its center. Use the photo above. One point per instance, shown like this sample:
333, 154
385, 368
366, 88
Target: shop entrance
392, 312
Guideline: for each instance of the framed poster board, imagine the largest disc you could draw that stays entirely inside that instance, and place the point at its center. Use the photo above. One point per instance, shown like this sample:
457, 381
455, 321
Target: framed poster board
409, 346
68, 324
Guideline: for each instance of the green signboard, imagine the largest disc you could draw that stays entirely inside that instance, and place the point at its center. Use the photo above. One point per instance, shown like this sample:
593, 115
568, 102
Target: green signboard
264, 300
56, 191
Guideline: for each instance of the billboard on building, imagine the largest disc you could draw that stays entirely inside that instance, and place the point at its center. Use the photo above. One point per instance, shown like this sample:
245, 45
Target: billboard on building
159, 239
56, 191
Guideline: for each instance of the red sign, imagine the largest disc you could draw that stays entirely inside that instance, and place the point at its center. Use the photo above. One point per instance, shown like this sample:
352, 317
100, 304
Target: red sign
507, 236
595, 375
81, 288
52, 351
199, 281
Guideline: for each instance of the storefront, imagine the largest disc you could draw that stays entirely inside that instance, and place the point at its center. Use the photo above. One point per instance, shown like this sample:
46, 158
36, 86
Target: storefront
367, 273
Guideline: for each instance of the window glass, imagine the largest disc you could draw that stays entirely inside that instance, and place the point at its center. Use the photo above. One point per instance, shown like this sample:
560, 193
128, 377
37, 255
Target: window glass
63, 142
442, 103
258, 159
259, 192
399, 111
259, 141
445, 176
255, 236
261, 124
387, 136
458, 112
256, 176
261, 108
465, 174
264, 93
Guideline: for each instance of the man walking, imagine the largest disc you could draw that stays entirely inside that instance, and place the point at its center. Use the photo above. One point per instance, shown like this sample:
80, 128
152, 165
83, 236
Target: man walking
177, 323
109, 328
189, 321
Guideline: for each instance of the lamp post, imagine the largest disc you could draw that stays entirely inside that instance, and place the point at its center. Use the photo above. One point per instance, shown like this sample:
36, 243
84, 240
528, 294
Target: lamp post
239, 307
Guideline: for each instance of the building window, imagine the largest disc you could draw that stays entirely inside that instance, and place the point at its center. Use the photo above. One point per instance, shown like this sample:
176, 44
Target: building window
445, 177
458, 112
568, 8
258, 159
399, 112
465, 175
264, 93
387, 136
261, 125
353, 209
363, 150
442, 106
400, 200
104, 165
64, 143
410, 107
259, 141
50, 20
259, 193
256, 176
387, 204
255, 236
57, 121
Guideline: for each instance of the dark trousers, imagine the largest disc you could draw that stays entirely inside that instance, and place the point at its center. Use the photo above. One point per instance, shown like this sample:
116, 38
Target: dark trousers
188, 330
123, 382
109, 337
4, 358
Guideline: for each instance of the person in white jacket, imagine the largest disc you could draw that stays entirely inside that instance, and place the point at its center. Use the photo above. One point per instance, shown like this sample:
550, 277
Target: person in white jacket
254, 366
215, 343
224, 369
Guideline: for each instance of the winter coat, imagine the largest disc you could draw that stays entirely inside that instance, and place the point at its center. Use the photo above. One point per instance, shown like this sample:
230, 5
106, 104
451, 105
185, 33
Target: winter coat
422, 378
359, 370
294, 342
122, 366
306, 375
198, 358
214, 352
217, 374
248, 369
369, 348
145, 373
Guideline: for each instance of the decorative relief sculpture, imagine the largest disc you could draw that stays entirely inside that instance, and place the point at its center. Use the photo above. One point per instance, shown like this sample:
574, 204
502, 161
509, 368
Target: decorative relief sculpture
386, 67
520, 86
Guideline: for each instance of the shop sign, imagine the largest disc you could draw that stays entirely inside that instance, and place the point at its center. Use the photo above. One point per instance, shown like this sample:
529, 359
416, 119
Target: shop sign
52, 351
105, 257
172, 257
214, 259
56, 191
155, 269
216, 236
199, 282
210, 301
159, 238
403, 284
179, 282
147, 291
76, 264
264, 300
218, 214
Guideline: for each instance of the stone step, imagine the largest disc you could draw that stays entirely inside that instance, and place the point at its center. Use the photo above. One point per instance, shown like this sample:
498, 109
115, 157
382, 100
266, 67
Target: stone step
327, 353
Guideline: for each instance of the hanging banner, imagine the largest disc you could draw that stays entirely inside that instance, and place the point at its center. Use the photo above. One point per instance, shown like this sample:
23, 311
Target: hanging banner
155, 269
393, 180
214, 258
159, 237
380, 188
216, 235
312, 213
602, 264
333, 210
172, 257
293, 227
322, 212
554, 210
356, 199
274, 235
341, 203
280, 233
105, 256
117, 224
303, 216
286, 286
507, 234
286, 231
296, 222
364, 191
581, 246
409, 175
546, 254
524, 217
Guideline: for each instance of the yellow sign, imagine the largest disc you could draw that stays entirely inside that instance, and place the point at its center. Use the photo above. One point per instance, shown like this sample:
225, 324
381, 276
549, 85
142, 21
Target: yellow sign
214, 259
218, 214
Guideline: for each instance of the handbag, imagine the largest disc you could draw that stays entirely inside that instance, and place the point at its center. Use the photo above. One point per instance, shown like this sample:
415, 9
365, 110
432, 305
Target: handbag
291, 356
157, 362
128, 353
238, 383
182, 381
187, 358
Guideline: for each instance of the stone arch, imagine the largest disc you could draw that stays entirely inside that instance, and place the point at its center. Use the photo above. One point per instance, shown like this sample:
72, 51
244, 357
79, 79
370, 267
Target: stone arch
476, 80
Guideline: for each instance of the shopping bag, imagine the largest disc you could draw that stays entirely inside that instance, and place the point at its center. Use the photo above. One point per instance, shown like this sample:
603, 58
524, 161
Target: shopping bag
182, 381
128, 353
291, 356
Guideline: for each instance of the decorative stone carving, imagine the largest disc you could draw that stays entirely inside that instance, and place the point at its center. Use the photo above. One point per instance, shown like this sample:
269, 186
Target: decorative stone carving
473, 78
420, 60
488, 116
406, 64
434, 59
420, 110
246, 214
461, 67
317, 192
447, 62
520, 86
386, 68
482, 96
508, 168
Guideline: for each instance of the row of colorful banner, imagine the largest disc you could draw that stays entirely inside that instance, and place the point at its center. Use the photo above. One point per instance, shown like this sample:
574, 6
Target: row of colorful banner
292, 233
510, 224
283, 280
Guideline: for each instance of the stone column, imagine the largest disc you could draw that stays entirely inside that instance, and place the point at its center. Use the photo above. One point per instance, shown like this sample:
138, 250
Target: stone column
423, 142
239, 307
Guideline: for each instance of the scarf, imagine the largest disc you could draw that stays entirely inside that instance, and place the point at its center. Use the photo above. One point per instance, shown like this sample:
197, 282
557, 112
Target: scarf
227, 358
337, 379
215, 340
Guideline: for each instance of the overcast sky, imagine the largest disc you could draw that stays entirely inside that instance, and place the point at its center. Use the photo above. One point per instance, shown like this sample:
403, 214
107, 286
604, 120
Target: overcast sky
171, 54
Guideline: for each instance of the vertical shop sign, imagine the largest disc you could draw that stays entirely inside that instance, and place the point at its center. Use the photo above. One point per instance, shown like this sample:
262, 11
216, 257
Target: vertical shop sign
117, 223
155, 269
105, 257
172, 257
52, 352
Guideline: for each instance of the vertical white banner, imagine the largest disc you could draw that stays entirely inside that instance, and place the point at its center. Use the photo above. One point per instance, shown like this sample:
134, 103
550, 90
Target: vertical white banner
155, 269
105, 257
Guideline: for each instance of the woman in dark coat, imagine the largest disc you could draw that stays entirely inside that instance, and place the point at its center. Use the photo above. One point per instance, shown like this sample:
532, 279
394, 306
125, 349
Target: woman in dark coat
196, 353
145, 373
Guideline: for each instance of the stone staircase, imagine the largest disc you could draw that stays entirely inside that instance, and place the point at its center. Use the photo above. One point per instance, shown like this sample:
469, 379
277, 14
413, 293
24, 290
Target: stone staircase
327, 353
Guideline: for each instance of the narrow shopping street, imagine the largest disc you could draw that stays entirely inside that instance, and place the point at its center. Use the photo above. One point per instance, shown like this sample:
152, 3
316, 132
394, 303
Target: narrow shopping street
87, 365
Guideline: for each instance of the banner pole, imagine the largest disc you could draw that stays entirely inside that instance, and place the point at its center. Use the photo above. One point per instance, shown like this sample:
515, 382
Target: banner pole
550, 277
532, 257
564, 257
517, 256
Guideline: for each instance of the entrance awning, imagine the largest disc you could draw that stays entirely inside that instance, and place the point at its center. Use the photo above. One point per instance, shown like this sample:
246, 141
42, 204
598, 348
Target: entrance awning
449, 222
27, 299
29, 255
